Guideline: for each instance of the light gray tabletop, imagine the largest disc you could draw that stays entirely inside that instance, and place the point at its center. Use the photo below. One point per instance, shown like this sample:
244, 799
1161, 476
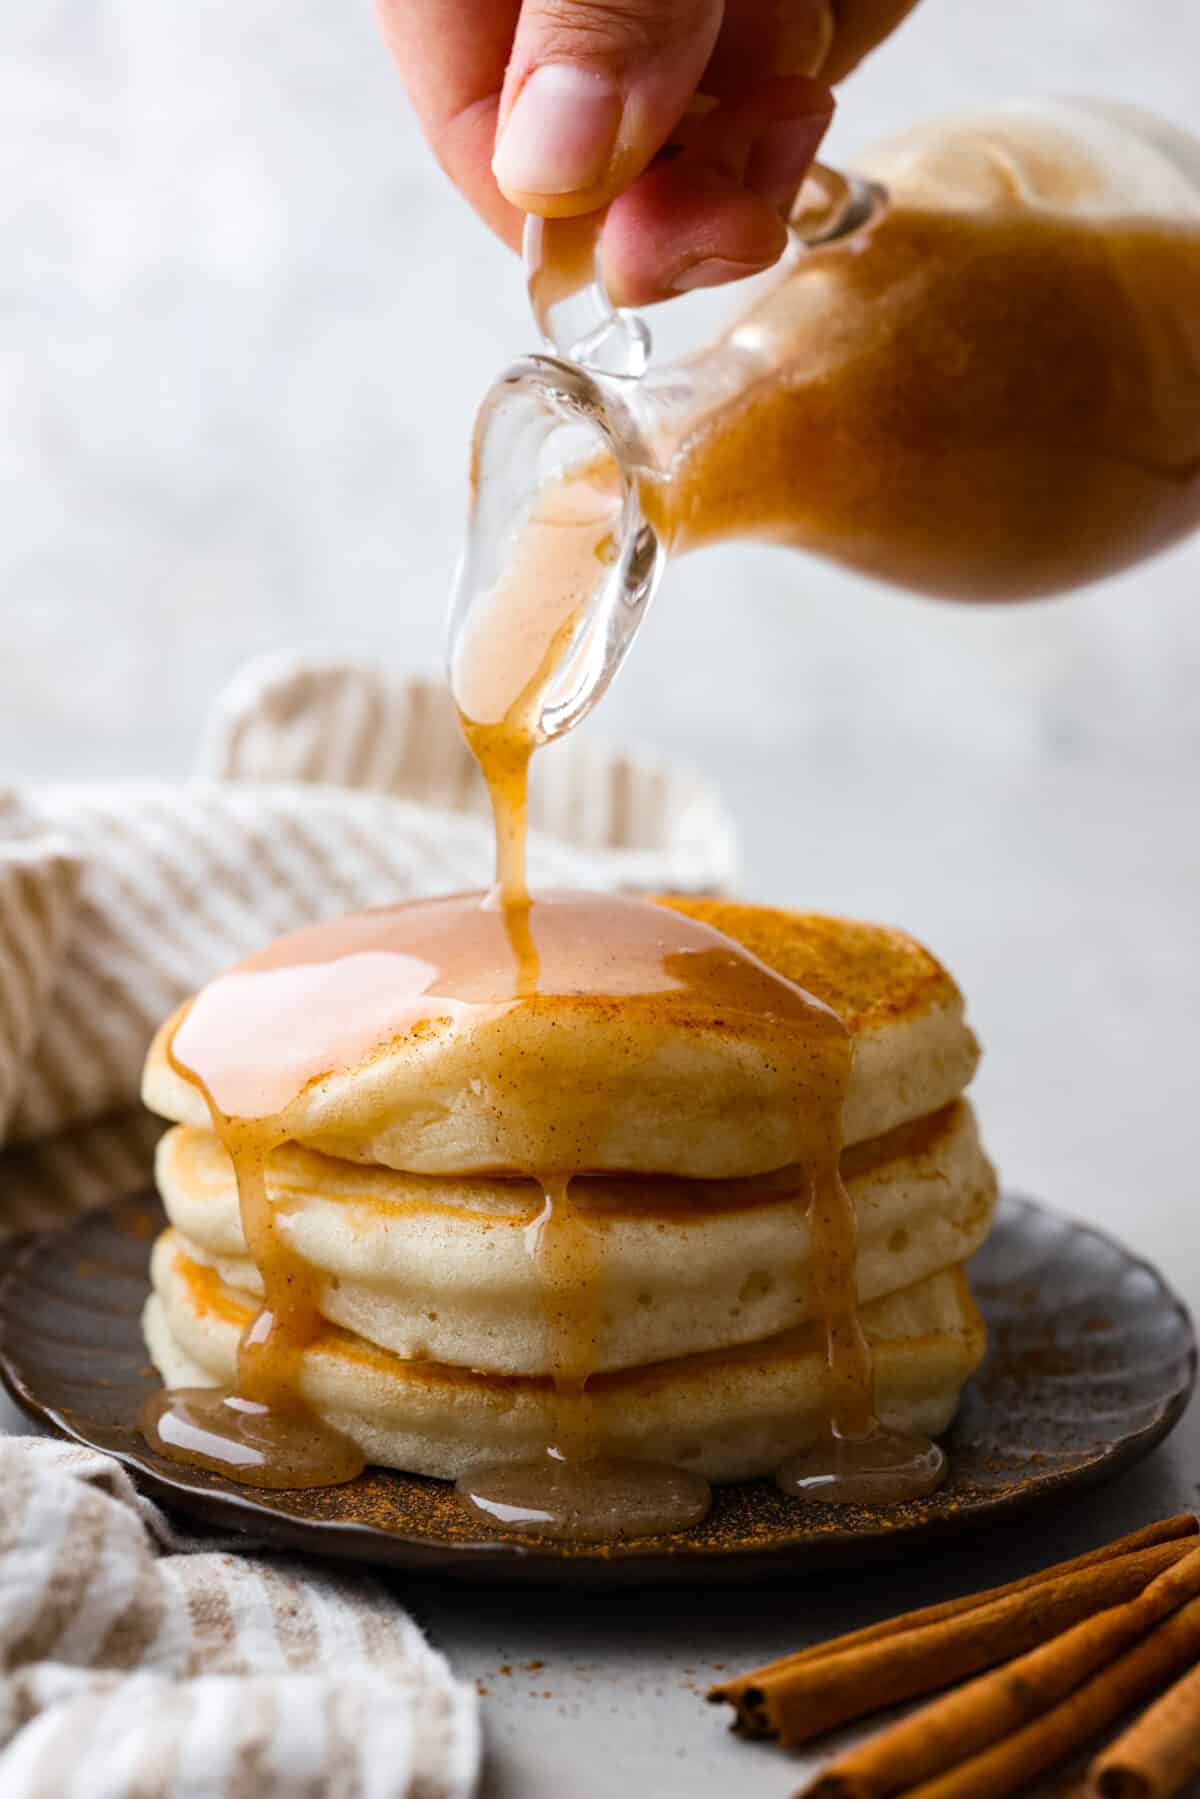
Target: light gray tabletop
600, 1696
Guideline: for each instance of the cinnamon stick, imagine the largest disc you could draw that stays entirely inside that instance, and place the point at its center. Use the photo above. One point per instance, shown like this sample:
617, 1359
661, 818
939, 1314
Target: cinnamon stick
1001, 1702
748, 1692
820, 1694
1009, 1766
1158, 1754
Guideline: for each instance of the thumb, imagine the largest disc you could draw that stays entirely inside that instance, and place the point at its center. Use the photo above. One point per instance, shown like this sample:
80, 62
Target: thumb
593, 90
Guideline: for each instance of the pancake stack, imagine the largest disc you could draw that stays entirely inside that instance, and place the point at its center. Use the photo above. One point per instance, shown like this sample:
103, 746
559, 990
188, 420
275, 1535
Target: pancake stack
684, 1283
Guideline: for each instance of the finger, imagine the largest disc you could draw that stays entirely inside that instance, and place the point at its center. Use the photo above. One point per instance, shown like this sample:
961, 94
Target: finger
764, 134
684, 226
593, 90
711, 214
828, 38
770, 37
451, 58
858, 26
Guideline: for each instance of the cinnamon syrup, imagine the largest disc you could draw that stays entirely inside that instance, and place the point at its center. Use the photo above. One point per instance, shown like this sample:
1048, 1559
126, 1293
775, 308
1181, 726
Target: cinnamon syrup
986, 404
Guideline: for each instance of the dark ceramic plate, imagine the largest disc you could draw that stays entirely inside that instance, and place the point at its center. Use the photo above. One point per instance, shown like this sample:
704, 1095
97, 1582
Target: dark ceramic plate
1091, 1362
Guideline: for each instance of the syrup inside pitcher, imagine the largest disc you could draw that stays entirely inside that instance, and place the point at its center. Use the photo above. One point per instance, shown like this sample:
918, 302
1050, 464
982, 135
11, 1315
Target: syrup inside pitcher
976, 375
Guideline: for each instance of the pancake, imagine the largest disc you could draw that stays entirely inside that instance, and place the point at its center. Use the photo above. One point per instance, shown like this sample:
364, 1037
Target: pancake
729, 1415
639, 1084
439, 1269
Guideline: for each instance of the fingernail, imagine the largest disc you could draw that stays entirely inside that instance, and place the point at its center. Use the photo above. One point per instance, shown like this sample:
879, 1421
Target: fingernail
714, 271
559, 137
782, 155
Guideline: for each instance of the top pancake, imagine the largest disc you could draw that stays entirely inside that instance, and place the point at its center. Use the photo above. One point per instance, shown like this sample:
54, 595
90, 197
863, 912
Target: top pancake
575, 1081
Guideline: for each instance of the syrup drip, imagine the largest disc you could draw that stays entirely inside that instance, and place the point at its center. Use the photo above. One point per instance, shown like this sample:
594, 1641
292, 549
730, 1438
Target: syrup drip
513, 645
573, 1491
262, 1434
860, 1462
563, 1249
508, 654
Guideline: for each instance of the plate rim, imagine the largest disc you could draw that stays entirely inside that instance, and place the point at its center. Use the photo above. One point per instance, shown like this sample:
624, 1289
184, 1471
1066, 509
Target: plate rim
497, 1559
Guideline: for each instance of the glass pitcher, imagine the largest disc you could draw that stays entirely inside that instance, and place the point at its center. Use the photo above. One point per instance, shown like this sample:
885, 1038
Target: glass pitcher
975, 374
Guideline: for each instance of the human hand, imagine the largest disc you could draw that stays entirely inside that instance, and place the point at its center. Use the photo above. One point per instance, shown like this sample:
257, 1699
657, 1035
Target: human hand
692, 121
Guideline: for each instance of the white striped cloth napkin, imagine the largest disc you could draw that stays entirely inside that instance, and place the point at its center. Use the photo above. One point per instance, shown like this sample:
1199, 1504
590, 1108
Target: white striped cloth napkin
138, 1664
322, 787
133, 1662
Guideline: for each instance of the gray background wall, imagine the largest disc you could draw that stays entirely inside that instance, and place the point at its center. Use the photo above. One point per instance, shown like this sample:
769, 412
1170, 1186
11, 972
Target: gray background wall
243, 329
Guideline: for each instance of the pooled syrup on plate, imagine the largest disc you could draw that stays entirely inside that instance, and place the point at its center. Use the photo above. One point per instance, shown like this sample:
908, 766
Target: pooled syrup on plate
275, 1446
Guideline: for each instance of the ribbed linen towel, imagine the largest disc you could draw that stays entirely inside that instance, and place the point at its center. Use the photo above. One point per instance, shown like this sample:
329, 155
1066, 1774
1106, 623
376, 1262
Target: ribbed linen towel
321, 788
134, 1661
139, 1664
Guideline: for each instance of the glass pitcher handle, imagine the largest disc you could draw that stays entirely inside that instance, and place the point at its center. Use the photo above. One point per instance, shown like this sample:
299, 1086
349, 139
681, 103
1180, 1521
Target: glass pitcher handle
579, 323
570, 305
831, 206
